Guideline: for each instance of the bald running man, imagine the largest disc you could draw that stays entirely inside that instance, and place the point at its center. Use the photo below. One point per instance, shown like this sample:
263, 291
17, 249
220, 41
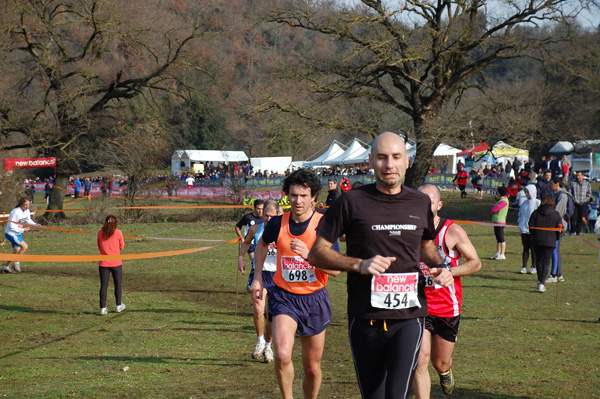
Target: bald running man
444, 303
386, 289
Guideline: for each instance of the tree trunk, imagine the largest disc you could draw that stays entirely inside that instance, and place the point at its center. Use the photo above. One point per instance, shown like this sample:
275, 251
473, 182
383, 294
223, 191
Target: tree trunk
57, 197
416, 174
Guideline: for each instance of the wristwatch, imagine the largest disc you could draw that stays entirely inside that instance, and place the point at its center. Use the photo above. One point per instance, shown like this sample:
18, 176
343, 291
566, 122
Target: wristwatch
444, 266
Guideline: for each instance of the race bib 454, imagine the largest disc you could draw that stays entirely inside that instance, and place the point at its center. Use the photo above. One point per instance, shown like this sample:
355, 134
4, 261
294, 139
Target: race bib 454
395, 291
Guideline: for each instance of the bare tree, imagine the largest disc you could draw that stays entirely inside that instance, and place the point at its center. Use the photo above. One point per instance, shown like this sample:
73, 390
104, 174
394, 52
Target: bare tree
414, 58
70, 68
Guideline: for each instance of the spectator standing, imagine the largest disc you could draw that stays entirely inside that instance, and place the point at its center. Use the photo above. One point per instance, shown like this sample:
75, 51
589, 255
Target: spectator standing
543, 184
592, 215
87, 186
544, 241
478, 183
561, 200
526, 209
499, 212
333, 192
110, 242
461, 179
566, 170
77, 186
581, 190
47, 191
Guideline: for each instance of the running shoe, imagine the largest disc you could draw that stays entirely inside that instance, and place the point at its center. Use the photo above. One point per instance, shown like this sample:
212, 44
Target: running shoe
121, 308
495, 257
523, 270
447, 382
103, 311
533, 270
561, 279
541, 288
259, 351
269, 357
501, 257
551, 279
7, 269
17, 267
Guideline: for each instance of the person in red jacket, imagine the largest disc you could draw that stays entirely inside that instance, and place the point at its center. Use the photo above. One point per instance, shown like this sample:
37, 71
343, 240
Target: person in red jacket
461, 179
110, 242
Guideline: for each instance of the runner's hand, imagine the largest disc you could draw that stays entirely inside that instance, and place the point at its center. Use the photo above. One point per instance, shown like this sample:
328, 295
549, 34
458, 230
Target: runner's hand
256, 289
299, 247
375, 265
441, 276
241, 265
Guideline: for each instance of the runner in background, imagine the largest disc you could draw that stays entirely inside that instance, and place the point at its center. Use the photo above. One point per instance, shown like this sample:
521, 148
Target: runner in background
248, 221
444, 303
263, 329
15, 228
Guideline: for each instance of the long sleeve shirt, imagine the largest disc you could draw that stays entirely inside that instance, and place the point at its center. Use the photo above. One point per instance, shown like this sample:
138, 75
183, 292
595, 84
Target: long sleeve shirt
17, 218
581, 191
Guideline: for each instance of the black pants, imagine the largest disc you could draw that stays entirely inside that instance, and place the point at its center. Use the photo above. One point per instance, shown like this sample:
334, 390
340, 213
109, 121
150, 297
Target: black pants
527, 241
105, 272
577, 222
543, 257
385, 355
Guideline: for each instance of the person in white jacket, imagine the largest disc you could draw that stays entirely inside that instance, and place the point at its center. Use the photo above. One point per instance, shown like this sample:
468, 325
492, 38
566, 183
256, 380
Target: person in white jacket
525, 210
15, 227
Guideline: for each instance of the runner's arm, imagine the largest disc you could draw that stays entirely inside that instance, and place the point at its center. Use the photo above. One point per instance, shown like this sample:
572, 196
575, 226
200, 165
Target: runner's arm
322, 255
244, 248
458, 240
431, 256
260, 254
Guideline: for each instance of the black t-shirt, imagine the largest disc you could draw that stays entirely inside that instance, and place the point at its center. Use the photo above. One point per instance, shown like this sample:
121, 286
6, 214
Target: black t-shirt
379, 224
248, 220
332, 195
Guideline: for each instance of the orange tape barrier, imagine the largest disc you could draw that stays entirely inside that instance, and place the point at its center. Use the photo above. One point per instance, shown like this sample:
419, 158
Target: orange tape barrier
93, 258
504, 225
88, 197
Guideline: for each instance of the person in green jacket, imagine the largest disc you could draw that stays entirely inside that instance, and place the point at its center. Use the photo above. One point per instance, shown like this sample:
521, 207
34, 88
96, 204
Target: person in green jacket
499, 212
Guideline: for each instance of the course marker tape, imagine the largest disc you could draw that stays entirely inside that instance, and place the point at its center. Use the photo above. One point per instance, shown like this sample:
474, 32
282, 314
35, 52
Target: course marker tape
93, 258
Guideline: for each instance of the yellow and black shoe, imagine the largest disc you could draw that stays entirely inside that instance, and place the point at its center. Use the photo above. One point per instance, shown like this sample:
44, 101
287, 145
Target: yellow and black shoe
447, 382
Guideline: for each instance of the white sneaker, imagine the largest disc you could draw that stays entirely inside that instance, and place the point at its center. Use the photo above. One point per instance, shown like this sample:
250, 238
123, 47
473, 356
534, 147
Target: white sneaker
495, 257
269, 357
17, 267
103, 311
551, 279
561, 279
259, 351
523, 270
501, 257
533, 270
541, 288
121, 308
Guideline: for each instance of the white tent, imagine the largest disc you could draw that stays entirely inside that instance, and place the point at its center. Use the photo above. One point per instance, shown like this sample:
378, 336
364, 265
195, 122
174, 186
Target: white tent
444, 150
355, 153
276, 164
335, 149
562, 147
185, 159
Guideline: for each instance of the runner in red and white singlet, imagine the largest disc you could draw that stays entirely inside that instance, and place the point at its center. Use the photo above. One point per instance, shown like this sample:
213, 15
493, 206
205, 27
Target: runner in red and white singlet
444, 303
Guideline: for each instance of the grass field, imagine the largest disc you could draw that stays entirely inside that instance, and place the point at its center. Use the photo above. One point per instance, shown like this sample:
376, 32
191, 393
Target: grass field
180, 336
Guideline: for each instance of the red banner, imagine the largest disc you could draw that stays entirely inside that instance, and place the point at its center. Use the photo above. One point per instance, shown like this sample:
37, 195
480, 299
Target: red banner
12, 163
